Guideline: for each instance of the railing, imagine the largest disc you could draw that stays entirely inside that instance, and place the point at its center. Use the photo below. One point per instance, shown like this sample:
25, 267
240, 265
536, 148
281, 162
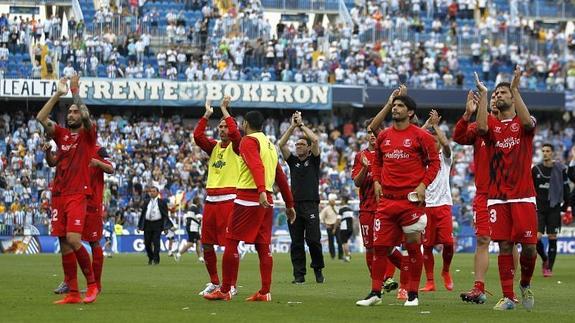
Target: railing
558, 9
302, 5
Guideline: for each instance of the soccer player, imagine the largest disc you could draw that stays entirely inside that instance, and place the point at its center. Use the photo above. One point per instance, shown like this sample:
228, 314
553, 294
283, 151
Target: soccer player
552, 187
466, 133
438, 204
252, 215
71, 188
363, 179
193, 220
94, 224
511, 194
406, 163
223, 174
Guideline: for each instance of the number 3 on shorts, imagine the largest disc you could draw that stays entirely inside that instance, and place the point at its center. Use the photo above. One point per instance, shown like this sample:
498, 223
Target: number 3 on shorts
54, 215
493, 215
376, 225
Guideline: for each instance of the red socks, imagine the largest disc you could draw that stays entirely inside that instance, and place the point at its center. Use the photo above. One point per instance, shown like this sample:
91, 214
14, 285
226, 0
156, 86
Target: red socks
527, 267
415, 265
378, 268
212, 265
395, 258
506, 273
70, 271
369, 259
97, 264
428, 262
447, 255
83, 258
230, 265
266, 266
404, 272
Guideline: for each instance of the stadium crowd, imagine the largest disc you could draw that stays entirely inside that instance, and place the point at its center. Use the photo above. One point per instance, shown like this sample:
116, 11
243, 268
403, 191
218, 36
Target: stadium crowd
161, 151
413, 42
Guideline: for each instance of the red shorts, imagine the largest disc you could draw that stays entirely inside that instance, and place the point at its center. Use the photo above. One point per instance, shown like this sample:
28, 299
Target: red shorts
68, 214
252, 224
516, 222
390, 217
94, 224
366, 223
215, 221
481, 216
439, 229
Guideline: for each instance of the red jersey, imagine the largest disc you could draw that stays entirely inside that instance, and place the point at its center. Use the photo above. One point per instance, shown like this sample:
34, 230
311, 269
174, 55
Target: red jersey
366, 194
467, 134
404, 159
97, 183
75, 150
510, 149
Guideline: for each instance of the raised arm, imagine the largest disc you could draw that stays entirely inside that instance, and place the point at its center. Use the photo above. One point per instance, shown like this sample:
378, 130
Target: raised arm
520, 107
285, 137
381, 115
43, 115
309, 134
233, 131
360, 169
205, 143
84, 112
441, 137
463, 134
482, 113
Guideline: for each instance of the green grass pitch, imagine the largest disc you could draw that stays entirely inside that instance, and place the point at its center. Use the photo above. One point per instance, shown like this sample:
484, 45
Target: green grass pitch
136, 292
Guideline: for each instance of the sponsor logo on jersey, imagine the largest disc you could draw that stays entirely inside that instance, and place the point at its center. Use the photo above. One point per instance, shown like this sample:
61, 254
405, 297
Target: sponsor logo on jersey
497, 130
397, 154
68, 147
508, 143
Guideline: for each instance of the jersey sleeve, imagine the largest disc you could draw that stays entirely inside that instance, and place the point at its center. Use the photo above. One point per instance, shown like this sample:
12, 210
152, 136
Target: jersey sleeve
234, 134
465, 133
281, 181
356, 165
205, 143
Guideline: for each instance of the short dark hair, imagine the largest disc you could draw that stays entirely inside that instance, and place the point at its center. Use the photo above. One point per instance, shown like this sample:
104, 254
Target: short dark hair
408, 101
255, 119
550, 145
307, 140
503, 84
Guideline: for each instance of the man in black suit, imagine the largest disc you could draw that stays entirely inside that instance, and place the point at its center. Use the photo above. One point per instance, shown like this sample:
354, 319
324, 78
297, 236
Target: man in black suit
153, 220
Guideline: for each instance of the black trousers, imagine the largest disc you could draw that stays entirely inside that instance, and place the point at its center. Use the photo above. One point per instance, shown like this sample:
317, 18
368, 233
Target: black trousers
152, 234
305, 228
331, 243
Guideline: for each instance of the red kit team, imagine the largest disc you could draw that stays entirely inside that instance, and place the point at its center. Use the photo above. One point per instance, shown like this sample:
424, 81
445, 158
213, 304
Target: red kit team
402, 176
